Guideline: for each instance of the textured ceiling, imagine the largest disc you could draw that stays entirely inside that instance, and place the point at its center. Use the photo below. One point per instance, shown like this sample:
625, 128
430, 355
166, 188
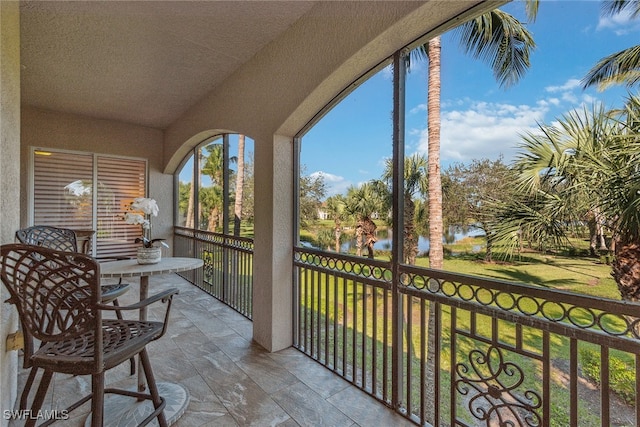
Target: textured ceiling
142, 62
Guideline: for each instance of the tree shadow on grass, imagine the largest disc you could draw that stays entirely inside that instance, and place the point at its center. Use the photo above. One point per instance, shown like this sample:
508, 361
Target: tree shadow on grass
529, 279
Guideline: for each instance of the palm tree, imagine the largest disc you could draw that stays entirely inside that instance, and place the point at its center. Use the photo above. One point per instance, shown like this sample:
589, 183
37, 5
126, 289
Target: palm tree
237, 219
336, 208
213, 168
622, 67
498, 39
415, 183
620, 197
436, 227
595, 164
551, 193
362, 202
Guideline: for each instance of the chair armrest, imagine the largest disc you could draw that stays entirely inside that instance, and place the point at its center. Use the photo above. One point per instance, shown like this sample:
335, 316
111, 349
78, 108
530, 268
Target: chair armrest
165, 295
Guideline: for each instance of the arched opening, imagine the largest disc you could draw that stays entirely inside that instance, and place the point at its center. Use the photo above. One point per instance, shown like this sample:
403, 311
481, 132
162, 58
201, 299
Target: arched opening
214, 216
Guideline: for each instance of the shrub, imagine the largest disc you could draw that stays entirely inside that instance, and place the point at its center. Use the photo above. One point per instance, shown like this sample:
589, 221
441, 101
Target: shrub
622, 376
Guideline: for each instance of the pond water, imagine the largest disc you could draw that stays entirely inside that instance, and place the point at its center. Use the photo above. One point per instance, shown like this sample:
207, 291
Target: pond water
454, 234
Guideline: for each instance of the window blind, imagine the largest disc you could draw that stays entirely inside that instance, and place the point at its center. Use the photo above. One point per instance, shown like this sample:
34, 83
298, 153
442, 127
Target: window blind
65, 195
120, 181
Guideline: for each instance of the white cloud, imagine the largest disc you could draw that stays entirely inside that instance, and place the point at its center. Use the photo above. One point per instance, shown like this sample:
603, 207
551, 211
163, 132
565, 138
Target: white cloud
569, 85
335, 184
621, 23
484, 130
418, 109
473, 129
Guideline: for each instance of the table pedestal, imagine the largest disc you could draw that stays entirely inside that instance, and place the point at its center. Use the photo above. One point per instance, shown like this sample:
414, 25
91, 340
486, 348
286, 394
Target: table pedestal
120, 411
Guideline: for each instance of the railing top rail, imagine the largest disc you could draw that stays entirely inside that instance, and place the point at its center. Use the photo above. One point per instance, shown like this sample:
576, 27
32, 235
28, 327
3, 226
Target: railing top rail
558, 296
343, 257
194, 232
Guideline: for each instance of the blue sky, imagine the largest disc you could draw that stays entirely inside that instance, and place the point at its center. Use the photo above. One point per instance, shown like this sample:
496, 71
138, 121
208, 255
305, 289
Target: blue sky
479, 119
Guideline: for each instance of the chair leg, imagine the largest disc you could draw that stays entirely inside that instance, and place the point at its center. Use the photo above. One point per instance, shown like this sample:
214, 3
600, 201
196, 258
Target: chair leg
97, 399
24, 398
132, 361
40, 394
153, 388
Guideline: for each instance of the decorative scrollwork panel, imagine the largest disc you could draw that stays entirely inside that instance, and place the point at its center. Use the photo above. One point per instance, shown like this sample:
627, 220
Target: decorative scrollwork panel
494, 390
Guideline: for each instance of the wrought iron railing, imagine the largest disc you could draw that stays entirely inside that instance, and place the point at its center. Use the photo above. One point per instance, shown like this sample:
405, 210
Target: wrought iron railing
451, 349
228, 265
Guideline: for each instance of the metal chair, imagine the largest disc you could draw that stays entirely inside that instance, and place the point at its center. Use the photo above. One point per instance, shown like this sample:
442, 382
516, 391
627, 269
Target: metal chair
61, 239
64, 239
58, 297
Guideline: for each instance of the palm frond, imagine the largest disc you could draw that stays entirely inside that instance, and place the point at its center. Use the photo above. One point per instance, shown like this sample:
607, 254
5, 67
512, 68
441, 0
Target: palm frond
613, 7
620, 68
501, 41
542, 219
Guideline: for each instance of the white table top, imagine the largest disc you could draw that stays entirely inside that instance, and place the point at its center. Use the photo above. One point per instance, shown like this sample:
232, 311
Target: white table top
131, 268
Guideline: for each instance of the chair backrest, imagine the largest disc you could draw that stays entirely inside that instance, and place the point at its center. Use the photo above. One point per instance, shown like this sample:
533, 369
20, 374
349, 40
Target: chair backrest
47, 236
55, 292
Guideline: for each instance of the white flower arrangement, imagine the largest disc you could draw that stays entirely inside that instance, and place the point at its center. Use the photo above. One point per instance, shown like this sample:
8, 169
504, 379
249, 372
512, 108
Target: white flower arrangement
149, 208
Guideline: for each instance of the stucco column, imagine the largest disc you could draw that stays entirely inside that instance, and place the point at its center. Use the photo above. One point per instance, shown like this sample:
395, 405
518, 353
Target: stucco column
9, 183
272, 269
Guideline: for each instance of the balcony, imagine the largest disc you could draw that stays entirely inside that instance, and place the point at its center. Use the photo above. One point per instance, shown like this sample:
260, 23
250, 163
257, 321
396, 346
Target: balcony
230, 381
362, 353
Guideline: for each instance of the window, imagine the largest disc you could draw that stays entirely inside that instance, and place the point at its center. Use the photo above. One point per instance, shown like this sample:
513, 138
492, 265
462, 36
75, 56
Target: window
66, 194
342, 158
218, 174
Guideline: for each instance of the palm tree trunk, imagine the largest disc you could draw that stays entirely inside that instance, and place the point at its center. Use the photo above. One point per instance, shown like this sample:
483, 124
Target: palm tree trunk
369, 229
488, 257
359, 242
410, 235
337, 233
213, 219
237, 220
190, 220
625, 270
436, 255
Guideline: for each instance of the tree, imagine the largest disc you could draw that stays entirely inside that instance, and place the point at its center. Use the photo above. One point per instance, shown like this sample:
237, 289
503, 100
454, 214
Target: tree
211, 197
312, 191
436, 228
550, 170
248, 192
504, 43
622, 67
237, 217
496, 38
336, 207
415, 183
596, 165
213, 167
478, 187
185, 202
362, 202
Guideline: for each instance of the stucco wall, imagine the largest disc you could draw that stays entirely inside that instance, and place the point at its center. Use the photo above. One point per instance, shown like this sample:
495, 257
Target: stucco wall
41, 128
9, 190
278, 92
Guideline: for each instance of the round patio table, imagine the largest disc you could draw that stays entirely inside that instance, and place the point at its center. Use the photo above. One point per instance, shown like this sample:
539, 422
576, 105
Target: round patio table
122, 410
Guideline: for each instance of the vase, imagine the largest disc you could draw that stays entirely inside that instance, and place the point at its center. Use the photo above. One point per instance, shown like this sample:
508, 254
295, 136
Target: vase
149, 255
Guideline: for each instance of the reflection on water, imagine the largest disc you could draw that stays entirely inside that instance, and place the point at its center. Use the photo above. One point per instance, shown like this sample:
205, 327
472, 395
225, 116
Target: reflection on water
454, 234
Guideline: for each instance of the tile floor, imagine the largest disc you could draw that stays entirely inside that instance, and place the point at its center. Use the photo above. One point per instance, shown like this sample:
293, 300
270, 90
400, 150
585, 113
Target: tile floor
230, 380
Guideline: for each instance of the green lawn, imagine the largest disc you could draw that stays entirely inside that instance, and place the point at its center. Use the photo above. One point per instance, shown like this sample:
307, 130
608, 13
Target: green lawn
581, 274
